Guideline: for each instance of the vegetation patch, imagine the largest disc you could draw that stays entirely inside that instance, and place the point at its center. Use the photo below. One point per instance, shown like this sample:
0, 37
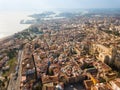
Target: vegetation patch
12, 63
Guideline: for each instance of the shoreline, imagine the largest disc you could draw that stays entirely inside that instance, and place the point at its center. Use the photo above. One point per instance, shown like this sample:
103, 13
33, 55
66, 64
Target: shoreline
10, 23
10, 36
5, 38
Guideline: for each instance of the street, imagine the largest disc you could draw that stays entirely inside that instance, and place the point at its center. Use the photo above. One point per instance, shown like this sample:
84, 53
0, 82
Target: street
14, 83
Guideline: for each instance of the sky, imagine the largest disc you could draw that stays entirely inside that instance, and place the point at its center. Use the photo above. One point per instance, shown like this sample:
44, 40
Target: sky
11, 5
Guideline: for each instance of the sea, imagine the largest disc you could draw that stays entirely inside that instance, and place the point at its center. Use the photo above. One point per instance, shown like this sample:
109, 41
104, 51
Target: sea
10, 22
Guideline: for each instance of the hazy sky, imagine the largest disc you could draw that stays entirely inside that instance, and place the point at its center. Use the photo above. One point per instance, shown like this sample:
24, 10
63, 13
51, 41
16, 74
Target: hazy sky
54, 4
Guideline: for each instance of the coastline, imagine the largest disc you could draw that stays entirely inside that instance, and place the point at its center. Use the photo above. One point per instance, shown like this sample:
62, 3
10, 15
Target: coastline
10, 23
